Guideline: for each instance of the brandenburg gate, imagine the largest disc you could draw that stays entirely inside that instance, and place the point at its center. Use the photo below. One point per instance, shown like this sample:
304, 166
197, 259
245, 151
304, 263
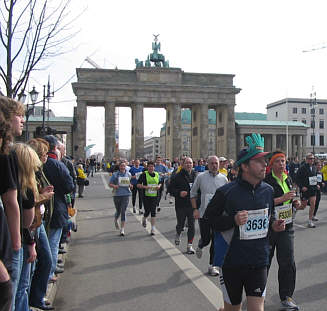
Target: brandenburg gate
157, 87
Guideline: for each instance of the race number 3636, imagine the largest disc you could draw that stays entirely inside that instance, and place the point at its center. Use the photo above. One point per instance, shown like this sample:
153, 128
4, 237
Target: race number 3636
256, 226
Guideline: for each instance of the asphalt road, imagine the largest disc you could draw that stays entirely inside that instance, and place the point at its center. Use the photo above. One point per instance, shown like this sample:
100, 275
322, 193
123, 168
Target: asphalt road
104, 271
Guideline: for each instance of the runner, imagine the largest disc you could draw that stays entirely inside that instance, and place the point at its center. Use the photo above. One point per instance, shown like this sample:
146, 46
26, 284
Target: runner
162, 171
207, 183
120, 182
150, 182
181, 187
283, 241
306, 179
241, 213
136, 172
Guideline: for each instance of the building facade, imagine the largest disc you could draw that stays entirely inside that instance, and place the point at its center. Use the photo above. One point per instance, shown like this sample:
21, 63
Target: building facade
312, 112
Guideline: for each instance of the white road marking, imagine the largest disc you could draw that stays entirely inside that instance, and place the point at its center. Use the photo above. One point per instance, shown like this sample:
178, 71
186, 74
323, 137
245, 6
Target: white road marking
300, 226
104, 182
206, 287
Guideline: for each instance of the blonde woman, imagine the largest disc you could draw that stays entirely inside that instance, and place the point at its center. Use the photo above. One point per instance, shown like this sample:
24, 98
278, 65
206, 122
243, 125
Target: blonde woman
28, 165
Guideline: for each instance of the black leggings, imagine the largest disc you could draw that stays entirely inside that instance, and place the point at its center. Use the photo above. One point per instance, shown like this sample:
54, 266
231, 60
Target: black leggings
318, 197
181, 214
136, 190
150, 204
6, 296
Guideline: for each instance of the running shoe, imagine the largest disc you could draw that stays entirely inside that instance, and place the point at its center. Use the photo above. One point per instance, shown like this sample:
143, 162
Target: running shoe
288, 304
140, 212
213, 271
177, 239
190, 250
311, 224
158, 209
134, 209
122, 232
153, 231
198, 252
171, 201
116, 224
144, 222
314, 218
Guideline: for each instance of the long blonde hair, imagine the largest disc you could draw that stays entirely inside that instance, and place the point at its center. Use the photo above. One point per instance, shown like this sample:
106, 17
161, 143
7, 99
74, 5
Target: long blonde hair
28, 164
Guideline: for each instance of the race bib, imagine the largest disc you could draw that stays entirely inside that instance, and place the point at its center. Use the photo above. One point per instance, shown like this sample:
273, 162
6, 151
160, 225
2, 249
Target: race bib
137, 175
296, 169
123, 181
257, 225
190, 184
313, 180
319, 178
284, 212
152, 189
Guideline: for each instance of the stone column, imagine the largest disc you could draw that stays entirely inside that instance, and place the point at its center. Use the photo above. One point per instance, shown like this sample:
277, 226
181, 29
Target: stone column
69, 149
137, 145
274, 142
173, 131
241, 142
204, 133
80, 129
109, 130
290, 144
177, 127
200, 131
230, 137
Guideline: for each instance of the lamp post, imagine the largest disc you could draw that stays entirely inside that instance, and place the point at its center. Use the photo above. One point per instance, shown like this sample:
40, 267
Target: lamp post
22, 98
313, 106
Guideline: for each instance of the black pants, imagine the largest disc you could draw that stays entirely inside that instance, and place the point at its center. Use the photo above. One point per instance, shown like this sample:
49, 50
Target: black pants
159, 195
136, 190
318, 197
206, 236
6, 296
181, 214
283, 242
150, 204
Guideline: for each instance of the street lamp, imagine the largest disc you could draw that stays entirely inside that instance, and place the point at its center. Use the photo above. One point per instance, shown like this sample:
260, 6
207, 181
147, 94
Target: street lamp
22, 98
313, 106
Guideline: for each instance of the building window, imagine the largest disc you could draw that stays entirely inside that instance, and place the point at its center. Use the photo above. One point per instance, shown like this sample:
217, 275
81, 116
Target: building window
313, 111
321, 124
304, 121
321, 140
294, 120
194, 116
321, 110
304, 110
294, 110
313, 124
313, 140
276, 114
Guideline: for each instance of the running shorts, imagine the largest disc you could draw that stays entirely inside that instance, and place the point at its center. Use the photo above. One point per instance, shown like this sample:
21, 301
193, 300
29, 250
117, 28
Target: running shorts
233, 280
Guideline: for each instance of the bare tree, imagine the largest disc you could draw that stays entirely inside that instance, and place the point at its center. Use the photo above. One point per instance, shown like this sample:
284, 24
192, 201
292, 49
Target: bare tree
31, 31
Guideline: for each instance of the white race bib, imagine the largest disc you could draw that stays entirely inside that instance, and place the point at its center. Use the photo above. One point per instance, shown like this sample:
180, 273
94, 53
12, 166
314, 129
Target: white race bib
257, 225
319, 178
190, 184
152, 189
284, 212
313, 180
123, 181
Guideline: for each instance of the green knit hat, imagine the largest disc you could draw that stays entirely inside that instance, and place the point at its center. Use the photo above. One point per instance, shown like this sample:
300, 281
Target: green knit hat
254, 150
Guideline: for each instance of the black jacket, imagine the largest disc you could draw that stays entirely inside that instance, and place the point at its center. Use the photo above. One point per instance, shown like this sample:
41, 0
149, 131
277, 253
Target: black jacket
183, 181
303, 174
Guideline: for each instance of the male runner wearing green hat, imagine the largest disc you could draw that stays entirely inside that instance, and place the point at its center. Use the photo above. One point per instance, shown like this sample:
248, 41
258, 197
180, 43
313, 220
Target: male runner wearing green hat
241, 213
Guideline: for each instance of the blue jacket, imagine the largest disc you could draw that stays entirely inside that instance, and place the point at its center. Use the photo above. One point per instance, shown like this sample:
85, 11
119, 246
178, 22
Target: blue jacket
58, 175
229, 199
